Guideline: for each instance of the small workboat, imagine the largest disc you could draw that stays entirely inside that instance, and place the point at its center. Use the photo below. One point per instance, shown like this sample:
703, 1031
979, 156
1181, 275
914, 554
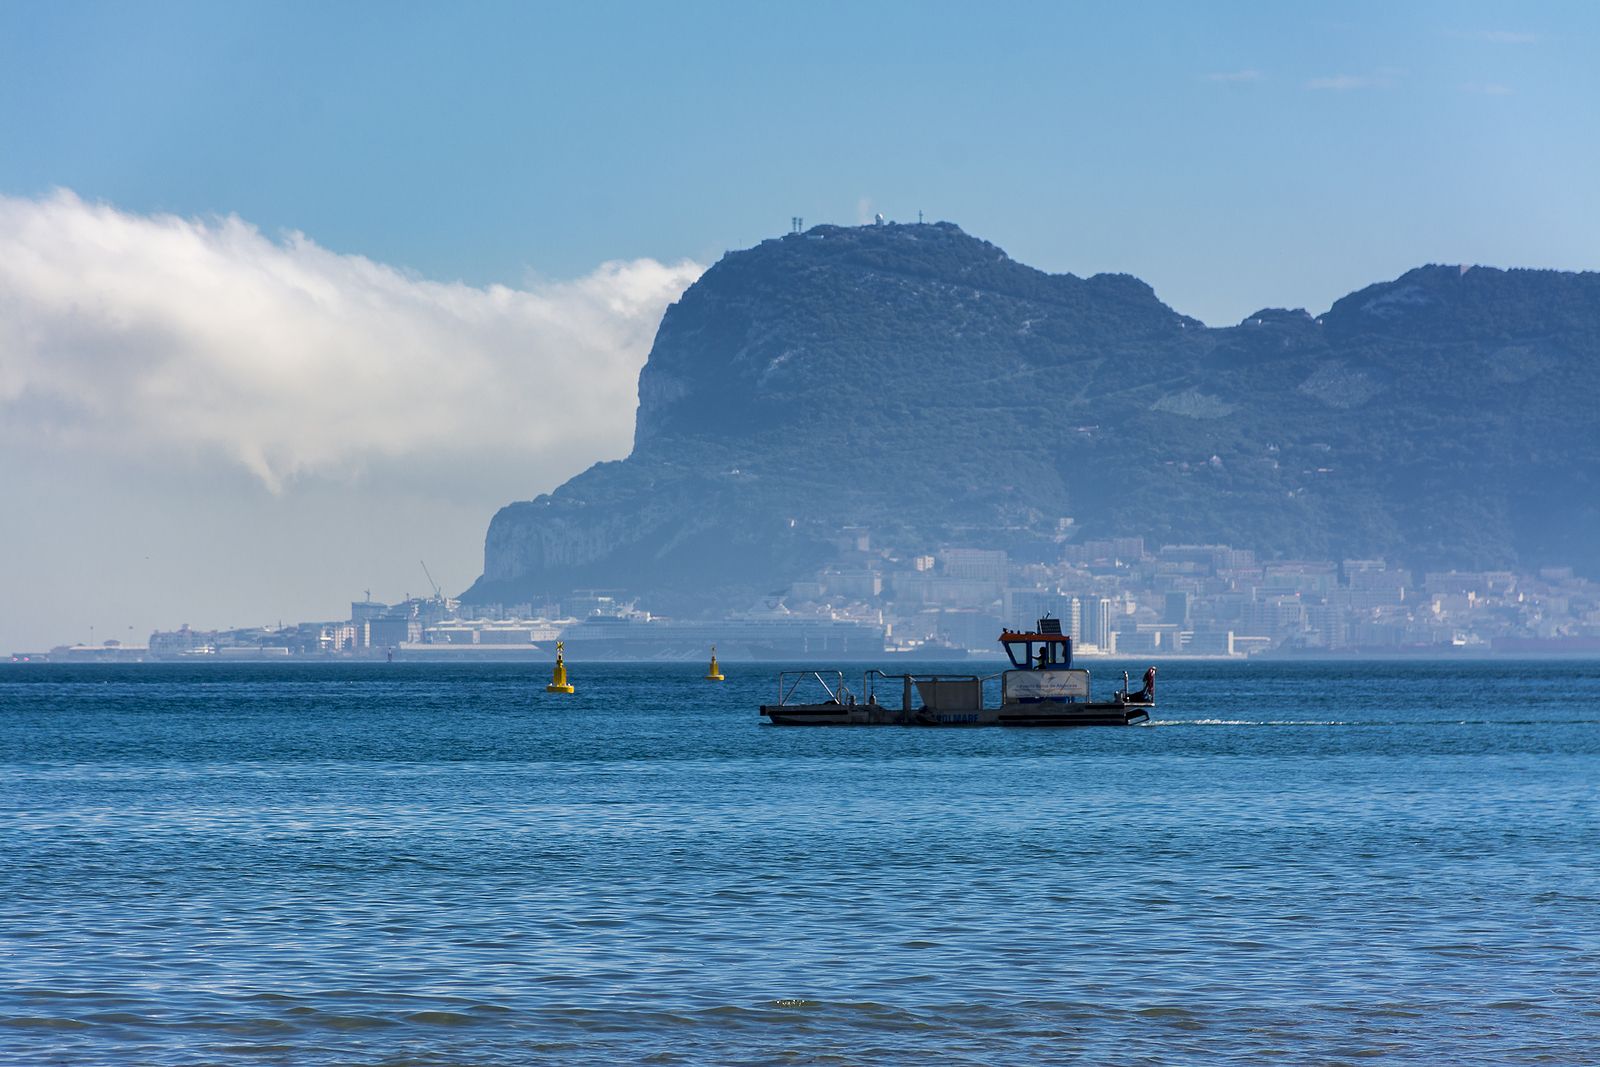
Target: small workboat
1042, 689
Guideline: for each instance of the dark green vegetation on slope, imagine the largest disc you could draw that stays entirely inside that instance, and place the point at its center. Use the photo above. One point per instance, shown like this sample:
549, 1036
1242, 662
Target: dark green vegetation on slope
917, 381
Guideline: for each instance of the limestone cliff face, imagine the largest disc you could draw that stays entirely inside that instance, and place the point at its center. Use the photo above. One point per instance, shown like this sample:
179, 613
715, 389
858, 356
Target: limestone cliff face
916, 380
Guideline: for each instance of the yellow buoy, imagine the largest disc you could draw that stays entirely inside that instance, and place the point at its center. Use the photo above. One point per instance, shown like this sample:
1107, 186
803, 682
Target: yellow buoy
714, 673
558, 681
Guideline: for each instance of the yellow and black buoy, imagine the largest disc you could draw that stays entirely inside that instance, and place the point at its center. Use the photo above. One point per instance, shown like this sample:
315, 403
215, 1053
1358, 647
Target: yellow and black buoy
713, 672
558, 680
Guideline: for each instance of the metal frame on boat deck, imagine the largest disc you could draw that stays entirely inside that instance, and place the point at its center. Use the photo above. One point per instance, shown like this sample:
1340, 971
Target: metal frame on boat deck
836, 692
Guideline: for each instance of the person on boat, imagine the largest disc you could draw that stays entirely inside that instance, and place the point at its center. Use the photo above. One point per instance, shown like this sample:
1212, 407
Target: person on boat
1044, 658
1148, 693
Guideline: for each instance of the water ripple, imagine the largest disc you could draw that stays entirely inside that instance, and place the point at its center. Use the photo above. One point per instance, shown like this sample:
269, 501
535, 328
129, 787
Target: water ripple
439, 867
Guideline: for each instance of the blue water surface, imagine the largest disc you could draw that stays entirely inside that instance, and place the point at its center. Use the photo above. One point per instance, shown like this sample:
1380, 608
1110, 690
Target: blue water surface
423, 864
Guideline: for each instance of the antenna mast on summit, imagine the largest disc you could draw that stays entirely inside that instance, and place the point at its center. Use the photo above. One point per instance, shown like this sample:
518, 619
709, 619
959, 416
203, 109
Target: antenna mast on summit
796, 224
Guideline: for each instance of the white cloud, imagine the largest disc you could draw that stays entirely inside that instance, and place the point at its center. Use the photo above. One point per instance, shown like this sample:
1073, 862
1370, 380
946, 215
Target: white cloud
1235, 77
1339, 82
122, 332
1502, 36
1383, 79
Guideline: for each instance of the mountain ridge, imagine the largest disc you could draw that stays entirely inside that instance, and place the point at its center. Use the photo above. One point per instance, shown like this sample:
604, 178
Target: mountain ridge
916, 380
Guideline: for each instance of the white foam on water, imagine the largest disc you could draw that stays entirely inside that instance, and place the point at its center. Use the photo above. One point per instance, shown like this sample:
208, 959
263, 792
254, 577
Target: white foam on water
1249, 722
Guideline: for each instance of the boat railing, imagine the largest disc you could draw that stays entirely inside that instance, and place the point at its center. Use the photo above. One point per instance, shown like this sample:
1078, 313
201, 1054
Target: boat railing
790, 681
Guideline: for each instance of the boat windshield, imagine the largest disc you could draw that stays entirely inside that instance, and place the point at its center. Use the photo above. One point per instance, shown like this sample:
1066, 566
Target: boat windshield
1037, 652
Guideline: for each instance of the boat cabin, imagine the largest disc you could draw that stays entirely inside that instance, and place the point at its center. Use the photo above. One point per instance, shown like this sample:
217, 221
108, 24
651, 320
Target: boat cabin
1045, 648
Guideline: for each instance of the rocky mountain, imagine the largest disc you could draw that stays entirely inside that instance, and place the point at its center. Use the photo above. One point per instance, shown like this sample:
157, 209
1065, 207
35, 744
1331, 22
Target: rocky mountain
917, 381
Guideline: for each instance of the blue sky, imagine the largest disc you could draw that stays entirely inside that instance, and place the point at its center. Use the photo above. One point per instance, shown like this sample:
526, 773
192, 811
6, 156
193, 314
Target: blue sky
1186, 143
294, 295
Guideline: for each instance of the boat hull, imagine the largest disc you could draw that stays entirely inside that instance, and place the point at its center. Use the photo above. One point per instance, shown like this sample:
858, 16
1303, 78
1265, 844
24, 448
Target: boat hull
1028, 715
1081, 715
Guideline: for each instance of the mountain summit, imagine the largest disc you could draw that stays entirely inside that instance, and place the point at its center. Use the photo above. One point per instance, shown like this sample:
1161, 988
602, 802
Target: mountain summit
917, 381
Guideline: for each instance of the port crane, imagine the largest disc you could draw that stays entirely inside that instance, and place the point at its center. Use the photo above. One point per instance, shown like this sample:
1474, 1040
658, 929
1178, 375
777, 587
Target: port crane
438, 594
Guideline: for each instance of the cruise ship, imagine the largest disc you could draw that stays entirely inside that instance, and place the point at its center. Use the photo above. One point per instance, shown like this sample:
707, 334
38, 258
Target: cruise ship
766, 635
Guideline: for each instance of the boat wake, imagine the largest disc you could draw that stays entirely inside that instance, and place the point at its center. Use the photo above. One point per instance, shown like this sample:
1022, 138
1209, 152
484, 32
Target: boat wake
1254, 722
1372, 722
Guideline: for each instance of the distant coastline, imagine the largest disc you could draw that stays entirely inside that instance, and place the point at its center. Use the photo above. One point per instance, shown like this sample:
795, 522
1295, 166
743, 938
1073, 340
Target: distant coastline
479, 657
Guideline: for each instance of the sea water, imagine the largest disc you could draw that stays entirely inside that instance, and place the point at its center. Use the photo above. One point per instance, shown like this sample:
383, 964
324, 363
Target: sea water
406, 864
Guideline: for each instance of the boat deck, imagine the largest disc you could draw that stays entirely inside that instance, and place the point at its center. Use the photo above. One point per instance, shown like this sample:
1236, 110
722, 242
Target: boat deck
941, 700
